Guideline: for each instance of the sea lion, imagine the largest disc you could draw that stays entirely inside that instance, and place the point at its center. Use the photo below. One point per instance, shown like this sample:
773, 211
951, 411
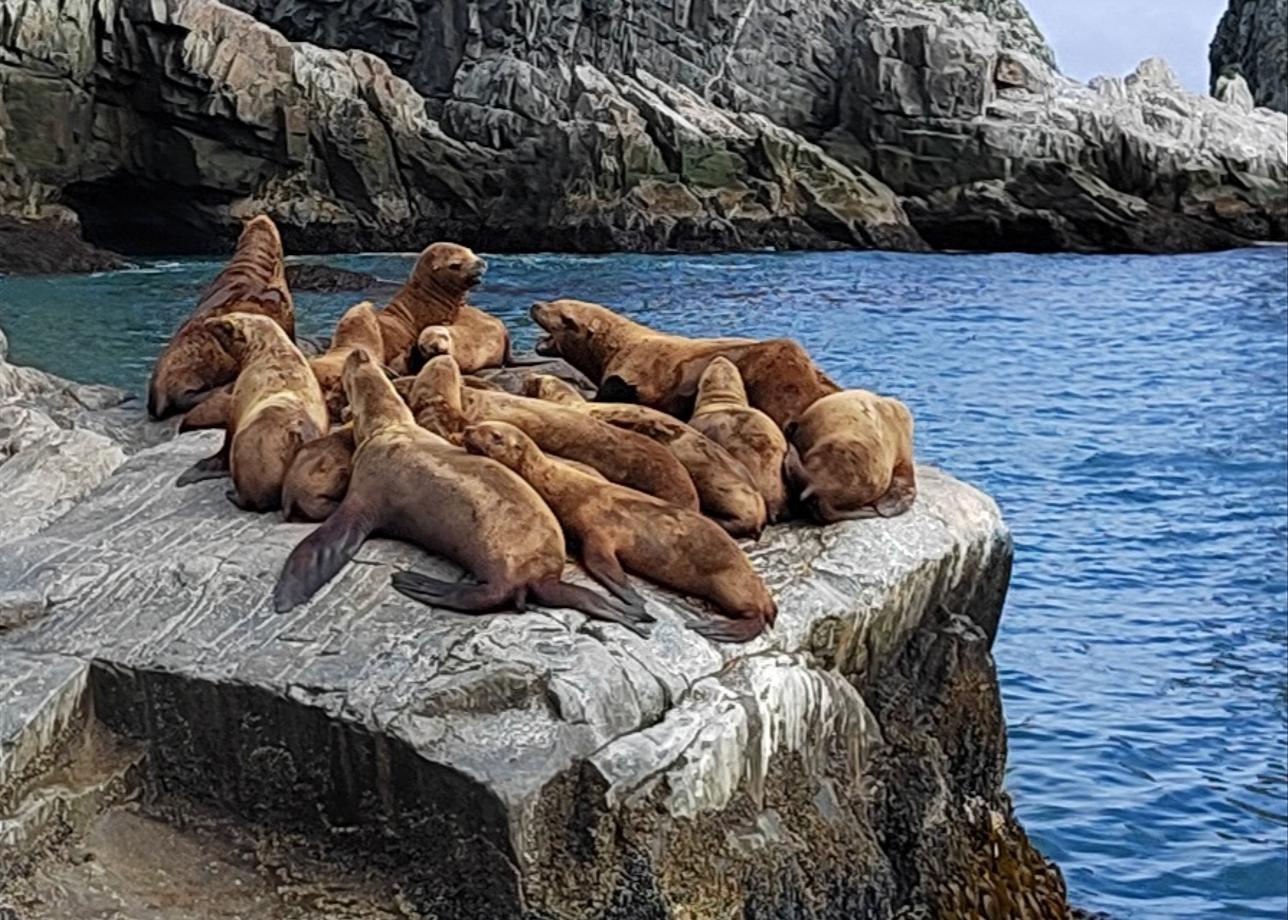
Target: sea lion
723, 414
621, 530
442, 404
632, 363
852, 457
412, 485
552, 389
277, 407
476, 340
726, 493
357, 328
318, 478
433, 296
254, 281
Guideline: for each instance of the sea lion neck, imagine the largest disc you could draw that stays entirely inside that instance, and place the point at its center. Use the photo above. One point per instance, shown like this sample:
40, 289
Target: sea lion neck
374, 410
426, 300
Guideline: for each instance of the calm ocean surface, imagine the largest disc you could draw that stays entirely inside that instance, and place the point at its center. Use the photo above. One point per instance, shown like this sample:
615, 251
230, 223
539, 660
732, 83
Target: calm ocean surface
1130, 415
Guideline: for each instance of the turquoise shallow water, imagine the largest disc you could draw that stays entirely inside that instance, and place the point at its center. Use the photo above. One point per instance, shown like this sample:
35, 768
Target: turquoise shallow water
1130, 414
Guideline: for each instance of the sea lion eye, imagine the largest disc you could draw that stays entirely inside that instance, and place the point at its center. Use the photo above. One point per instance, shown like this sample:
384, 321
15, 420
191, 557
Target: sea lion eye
569, 323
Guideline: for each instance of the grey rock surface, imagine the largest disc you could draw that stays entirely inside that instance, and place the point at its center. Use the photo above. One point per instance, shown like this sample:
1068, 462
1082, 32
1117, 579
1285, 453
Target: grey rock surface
541, 765
612, 125
1252, 41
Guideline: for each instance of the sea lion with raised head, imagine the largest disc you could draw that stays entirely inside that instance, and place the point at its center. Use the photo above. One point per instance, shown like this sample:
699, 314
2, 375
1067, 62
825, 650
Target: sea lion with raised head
440, 402
359, 327
621, 530
852, 457
254, 281
723, 414
632, 363
276, 408
434, 295
412, 485
318, 478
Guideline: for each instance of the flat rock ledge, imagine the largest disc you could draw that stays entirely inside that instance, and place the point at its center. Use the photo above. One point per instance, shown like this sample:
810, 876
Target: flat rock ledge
850, 764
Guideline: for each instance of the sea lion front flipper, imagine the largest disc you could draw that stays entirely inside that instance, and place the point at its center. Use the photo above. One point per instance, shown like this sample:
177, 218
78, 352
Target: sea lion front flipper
212, 412
901, 494
321, 554
724, 629
212, 467
553, 593
602, 565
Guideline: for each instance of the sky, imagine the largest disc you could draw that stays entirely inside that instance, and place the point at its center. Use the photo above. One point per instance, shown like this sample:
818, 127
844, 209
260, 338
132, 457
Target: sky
1093, 37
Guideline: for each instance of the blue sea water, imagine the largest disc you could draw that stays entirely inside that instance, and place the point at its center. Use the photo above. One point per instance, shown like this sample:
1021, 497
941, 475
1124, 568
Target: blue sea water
1130, 415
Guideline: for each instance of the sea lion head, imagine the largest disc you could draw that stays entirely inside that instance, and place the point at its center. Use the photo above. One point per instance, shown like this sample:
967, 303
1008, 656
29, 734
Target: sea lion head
551, 389
358, 328
502, 442
262, 232
434, 341
237, 332
836, 480
188, 371
373, 401
721, 382
440, 378
575, 331
449, 266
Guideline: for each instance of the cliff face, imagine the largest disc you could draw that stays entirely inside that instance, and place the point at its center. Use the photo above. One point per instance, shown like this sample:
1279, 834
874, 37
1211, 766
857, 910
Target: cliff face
613, 124
849, 765
1253, 37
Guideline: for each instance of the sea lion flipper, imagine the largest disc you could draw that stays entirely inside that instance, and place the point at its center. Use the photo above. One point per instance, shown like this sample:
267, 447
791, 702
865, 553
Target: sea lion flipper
320, 555
212, 412
723, 629
602, 565
462, 597
561, 594
212, 467
899, 497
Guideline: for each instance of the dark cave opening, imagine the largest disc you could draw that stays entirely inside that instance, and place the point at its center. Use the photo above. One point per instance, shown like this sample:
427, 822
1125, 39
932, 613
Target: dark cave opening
134, 216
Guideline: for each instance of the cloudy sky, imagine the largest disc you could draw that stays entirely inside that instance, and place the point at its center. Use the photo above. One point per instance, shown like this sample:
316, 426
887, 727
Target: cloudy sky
1094, 37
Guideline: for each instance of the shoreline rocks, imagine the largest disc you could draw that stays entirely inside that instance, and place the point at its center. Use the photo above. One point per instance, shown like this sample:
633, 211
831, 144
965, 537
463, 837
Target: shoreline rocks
49, 245
1251, 45
588, 127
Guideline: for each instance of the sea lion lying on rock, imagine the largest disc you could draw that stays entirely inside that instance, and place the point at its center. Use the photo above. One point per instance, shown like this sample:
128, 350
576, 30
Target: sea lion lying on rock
725, 490
254, 281
276, 408
412, 485
852, 457
359, 327
476, 340
434, 295
318, 478
723, 414
443, 404
621, 530
632, 363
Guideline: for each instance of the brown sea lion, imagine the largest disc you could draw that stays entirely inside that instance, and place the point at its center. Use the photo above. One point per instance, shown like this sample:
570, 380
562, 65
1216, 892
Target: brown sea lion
621, 530
632, 363
852, 457
476, 340
357, 328
433, 296
277, 407
254, 281
723, 414
726, 493
318, 478
442, 404
412, 485
552, 389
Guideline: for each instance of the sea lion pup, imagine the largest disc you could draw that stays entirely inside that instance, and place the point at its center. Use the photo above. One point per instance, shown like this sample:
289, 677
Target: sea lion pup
434, 295
442, 404
254, 281
476, 340
318, 478
357, 328
412, 485
723, 414
852, 457
632, 363
620, 530
726, 493
277, 407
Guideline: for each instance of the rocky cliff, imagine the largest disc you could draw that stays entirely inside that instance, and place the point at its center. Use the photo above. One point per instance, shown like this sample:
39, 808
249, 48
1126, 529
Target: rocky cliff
1252, 40
166, 739
613, 124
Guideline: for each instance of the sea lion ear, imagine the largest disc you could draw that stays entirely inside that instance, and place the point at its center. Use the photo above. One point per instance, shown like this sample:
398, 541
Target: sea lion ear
570, 323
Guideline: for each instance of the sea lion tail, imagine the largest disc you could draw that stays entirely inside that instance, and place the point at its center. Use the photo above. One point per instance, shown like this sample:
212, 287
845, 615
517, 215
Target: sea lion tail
320, 555
562, 594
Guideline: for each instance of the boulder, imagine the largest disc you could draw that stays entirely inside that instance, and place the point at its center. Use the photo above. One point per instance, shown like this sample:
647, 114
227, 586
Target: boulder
1251, 44
849, 764
328, 279
49, 245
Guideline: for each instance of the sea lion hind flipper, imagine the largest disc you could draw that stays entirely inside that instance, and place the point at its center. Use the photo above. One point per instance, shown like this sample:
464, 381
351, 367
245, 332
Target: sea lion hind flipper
212, 467
553, 593
462, 597
898, 498
724, 629
320, 555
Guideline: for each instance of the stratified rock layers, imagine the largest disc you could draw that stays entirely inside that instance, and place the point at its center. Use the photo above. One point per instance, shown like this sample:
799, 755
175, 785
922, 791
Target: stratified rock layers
686, 124
1252, 38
